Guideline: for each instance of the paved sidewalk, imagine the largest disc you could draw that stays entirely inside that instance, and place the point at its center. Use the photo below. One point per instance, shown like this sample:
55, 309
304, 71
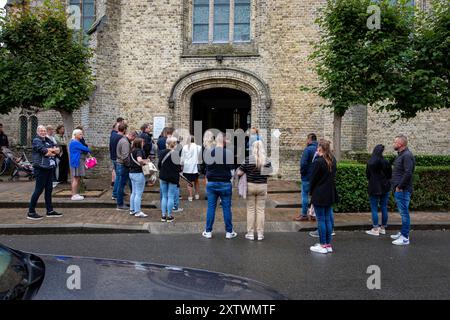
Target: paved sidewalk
98, 214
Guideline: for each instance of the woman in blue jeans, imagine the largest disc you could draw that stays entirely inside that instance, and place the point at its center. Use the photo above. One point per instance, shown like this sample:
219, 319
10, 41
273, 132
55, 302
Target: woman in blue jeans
169, 178
323, 195
137, 177
379, 173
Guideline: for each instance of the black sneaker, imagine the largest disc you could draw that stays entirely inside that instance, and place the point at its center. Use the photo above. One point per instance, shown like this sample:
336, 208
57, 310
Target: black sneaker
163, 219
170, 219
54, 214
34, 216
123, 208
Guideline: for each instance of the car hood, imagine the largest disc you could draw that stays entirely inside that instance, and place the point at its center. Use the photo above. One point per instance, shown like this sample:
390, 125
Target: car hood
68, 277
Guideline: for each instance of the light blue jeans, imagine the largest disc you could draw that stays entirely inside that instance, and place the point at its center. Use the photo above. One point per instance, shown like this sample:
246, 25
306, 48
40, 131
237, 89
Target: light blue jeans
168, 192
138, 186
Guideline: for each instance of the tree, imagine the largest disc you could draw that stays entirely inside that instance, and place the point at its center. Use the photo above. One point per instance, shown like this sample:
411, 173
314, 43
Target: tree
41, 66
424, 82
356, 64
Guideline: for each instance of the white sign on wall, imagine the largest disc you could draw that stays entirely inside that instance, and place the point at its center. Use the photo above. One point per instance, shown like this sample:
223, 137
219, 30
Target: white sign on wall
159, 124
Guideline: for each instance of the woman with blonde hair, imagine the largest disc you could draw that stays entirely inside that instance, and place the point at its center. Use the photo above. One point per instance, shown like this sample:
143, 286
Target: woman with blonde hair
208, 144
257, 167
76, 160
324, 195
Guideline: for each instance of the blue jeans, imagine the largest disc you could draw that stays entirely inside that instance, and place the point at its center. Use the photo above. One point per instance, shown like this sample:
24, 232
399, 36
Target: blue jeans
176, 201
123, 173
383, 201
138, 183
402, 199
324, 223
44, 181
214, 190
116, 181
168, 192
305, 197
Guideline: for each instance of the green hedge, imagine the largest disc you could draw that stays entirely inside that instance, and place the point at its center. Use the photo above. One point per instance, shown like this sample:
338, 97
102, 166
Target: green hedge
431, 188
421, 160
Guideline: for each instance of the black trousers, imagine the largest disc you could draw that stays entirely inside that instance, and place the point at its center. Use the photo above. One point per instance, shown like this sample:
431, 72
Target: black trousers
44, 181
63, 165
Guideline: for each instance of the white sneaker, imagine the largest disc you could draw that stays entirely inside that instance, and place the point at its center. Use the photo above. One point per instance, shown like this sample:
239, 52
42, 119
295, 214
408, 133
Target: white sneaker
329, 249
249, 236
177, 210
231, 235
77, 197
318, 249
55, 184
374, 232
401, 241
207, 235
396, 236
131, 213
197, 196
190, 199
382, 230
140, 214
260, 237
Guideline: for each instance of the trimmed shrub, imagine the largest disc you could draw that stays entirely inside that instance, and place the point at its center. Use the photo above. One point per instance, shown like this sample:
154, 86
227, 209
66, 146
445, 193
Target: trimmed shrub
421, 160
431, 188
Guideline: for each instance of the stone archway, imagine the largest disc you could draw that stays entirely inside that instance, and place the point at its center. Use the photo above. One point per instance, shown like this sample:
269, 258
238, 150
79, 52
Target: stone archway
188, 85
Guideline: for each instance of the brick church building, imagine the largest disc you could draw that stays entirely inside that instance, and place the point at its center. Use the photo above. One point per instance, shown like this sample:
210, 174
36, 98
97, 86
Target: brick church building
229, 63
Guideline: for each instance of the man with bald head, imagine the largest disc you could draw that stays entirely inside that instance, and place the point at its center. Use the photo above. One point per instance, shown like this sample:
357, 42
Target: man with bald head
402, 178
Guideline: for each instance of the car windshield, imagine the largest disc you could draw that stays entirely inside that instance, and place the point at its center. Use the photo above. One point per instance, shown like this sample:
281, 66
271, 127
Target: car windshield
12, 272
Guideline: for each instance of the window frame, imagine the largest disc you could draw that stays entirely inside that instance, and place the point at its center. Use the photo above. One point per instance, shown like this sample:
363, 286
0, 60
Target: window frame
81, 4
212, 24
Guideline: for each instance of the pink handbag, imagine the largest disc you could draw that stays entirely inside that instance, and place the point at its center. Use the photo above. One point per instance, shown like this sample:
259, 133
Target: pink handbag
90, 163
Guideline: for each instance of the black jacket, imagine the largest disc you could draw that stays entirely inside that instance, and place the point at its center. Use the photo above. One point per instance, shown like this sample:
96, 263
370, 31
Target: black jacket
402, 175
322, 183
379, 174
169, 171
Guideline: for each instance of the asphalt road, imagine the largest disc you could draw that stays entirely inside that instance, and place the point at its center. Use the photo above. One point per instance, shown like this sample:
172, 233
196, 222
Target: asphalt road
282, 260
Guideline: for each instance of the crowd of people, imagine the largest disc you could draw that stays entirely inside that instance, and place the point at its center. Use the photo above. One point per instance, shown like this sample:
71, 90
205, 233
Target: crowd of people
53, 156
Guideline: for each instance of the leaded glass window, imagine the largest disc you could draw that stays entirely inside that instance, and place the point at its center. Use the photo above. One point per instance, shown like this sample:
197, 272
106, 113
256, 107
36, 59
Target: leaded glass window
201, 21
221, 20
241, 20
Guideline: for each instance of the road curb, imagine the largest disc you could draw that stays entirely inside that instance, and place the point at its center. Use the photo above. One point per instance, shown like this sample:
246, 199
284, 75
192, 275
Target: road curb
185, 228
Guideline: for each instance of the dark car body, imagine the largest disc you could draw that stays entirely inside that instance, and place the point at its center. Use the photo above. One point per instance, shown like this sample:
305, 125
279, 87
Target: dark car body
80, 278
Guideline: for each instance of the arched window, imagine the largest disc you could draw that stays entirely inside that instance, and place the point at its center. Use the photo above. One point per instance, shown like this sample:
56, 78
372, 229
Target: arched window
23, 130
33, 127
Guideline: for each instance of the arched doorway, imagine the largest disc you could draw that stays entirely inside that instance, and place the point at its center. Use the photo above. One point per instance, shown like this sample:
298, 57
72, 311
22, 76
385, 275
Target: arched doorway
222, 109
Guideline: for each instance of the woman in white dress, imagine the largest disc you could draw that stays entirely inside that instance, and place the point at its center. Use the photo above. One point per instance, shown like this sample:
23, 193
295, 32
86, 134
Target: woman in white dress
190, 160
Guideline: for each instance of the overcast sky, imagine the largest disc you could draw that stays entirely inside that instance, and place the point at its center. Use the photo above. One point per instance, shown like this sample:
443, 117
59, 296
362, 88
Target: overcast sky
2, 3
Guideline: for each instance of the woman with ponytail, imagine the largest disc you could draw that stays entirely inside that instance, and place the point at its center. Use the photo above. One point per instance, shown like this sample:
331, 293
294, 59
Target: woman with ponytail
324, 195
257, 168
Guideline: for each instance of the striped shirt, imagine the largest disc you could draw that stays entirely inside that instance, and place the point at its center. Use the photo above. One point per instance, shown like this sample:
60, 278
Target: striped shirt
254, 175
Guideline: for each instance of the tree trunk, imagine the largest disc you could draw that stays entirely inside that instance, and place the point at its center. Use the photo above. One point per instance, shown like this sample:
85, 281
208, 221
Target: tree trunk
68, 123
337, 124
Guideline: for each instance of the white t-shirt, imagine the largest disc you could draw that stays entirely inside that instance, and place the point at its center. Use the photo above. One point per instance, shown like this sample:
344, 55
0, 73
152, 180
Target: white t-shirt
189, 158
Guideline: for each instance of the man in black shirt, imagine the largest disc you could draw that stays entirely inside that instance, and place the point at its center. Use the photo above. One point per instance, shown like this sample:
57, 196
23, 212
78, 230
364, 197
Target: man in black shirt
401, 183
219, 164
